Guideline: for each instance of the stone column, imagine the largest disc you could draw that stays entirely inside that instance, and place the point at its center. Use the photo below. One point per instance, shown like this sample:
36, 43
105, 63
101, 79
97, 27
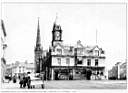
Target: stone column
73, 72
105, 72
118, 69
52, 73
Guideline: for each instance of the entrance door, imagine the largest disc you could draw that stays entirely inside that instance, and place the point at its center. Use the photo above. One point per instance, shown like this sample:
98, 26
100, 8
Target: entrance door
89, 72
56, 75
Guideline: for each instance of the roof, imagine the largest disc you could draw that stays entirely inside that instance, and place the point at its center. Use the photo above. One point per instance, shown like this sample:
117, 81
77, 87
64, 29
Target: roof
30, 66
22, 64
78, 46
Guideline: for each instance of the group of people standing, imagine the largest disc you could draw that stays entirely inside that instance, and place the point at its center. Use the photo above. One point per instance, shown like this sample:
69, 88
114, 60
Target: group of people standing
25, 81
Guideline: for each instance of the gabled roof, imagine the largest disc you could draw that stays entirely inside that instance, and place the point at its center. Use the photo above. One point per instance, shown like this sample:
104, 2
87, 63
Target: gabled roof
96, 46
59, 45
79, 45
92, 47
68, 48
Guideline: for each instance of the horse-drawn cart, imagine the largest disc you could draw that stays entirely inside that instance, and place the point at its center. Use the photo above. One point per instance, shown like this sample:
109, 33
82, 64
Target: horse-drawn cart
37, 83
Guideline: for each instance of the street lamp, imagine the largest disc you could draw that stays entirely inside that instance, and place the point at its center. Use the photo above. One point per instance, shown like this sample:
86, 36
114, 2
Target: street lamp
59, 68
68, 70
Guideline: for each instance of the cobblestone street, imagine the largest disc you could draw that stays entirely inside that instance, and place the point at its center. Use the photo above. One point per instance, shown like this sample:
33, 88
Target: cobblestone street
76, 84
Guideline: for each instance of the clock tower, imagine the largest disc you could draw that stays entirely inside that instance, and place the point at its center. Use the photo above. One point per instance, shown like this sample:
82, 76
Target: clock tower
56, 34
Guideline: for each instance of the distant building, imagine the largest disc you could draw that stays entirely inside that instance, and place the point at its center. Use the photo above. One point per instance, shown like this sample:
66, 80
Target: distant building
119, 71
123, 71
20, 68
72, 62
3, 48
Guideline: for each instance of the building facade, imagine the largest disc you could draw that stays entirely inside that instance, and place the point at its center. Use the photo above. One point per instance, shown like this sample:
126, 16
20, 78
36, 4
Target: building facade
118, 71
3, 48
19, 68
73, 62
123, 70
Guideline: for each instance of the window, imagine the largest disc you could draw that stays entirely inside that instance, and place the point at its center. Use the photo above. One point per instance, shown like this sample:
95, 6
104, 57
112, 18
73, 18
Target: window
23, 69
68, 61
102, 52
59, 61
96, 62
97, 72
79, 61
19, 69
59, 51
96, 53
89, 62
101, 73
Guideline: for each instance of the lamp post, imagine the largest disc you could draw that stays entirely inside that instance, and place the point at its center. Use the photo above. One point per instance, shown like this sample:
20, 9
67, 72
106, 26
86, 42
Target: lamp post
96, 71
118, 71
59, 68
75, 60
68, 70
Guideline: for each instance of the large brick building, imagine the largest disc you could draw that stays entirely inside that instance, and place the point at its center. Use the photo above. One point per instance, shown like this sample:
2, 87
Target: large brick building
72, 62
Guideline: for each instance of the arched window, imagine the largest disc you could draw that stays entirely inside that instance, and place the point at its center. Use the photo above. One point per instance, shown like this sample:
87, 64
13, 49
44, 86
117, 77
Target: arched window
96, 53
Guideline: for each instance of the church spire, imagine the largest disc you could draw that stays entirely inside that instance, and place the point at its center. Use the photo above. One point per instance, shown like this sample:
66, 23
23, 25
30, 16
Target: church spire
38, 39
56, 18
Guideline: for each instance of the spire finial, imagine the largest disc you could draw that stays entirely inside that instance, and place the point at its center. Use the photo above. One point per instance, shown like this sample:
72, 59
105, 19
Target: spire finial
38, 34
56, 17
38, 22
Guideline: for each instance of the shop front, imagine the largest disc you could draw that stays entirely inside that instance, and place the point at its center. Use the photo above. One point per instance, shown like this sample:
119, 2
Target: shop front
63, 73
76, 73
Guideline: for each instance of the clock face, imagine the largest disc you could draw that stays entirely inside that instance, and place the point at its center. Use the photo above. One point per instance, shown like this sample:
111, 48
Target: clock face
57, 35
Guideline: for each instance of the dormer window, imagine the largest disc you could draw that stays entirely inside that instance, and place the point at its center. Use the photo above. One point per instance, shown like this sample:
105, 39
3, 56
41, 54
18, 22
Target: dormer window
59, 61
96, 53
59, 51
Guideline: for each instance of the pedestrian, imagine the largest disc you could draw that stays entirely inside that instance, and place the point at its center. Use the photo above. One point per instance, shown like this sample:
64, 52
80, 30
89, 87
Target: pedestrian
21, 82
28, 82
14, 79
24, 81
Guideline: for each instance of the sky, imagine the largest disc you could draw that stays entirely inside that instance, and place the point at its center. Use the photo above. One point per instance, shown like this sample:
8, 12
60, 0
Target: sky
78, 22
